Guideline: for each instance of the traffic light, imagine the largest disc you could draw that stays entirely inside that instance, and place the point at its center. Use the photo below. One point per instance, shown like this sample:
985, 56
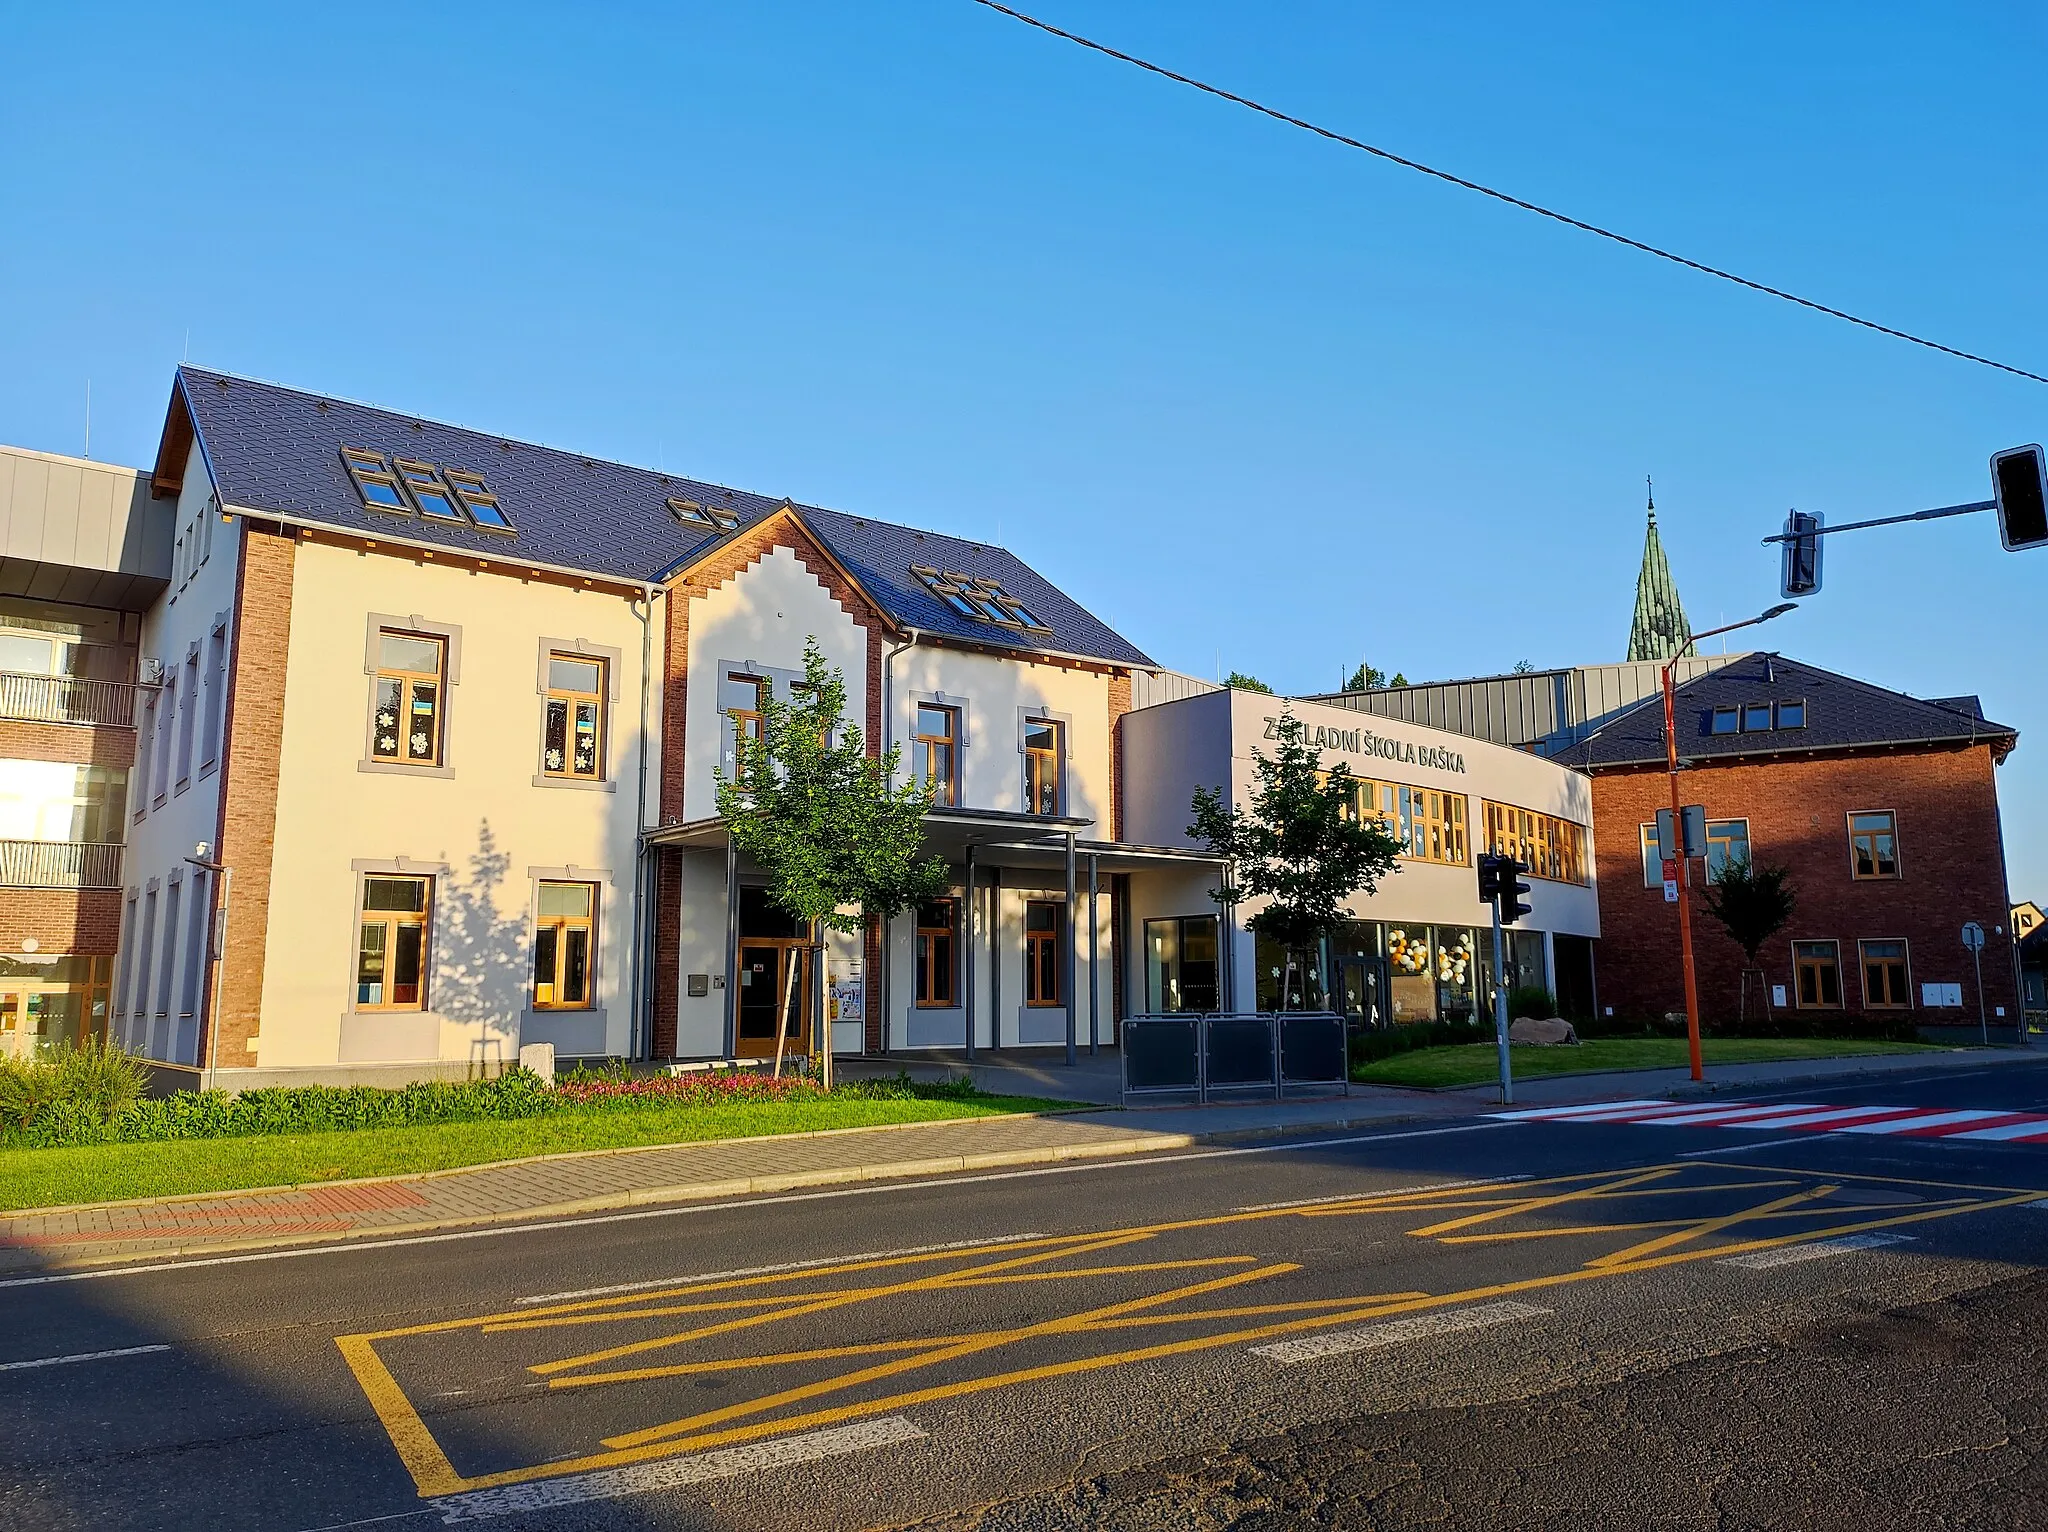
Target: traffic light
1511, 907
1802, 553
2020, 478
1489, 877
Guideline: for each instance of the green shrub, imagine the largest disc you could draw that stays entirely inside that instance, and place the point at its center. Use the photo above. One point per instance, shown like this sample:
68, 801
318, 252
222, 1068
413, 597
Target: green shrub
1384, 1042
1530, 1000
93, 1083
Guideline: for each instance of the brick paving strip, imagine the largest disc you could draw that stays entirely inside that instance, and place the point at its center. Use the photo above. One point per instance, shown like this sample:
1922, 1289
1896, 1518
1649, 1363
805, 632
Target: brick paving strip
600, 1180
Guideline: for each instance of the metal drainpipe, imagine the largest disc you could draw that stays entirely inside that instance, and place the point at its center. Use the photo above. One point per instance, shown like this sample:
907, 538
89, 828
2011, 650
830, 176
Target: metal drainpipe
911, 636
1067, 957
640, 1033
967, 920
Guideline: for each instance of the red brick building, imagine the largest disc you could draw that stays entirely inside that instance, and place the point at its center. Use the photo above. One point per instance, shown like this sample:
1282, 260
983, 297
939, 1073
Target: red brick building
1883, 807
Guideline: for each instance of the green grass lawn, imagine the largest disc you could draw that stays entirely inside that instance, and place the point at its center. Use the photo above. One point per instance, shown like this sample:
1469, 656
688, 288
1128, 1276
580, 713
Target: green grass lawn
32, 1178
1475, 1064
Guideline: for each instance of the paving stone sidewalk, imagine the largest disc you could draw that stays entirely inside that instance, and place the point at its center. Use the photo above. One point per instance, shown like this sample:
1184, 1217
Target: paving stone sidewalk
595, 1181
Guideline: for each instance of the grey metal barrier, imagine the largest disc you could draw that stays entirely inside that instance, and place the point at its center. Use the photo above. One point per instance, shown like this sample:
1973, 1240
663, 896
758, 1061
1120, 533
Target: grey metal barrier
1204, 1053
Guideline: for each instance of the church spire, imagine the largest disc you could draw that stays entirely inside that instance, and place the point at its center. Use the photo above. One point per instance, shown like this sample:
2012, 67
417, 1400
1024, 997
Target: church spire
1660, 629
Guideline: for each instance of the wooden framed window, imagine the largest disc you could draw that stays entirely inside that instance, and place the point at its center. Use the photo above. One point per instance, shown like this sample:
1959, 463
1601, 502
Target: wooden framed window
938, 953
1727, 843
747, 718
938, 738
572, 732
1044, 920
1887, 977
478, 500
423, 482
690, 513
405, 708
1551, 847
1874, 844
391, 944
375, 481
1817, 976
565, 947
1044, 745
979, 597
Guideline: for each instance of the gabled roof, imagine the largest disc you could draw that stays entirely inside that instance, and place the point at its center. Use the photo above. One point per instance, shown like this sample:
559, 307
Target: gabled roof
1841, 714
276, 452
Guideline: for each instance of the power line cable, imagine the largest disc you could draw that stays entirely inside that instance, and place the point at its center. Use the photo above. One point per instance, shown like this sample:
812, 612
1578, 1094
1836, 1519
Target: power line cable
1501, 196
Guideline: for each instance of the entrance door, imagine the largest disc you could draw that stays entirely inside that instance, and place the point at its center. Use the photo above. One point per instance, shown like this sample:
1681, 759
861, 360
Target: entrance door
14, 1039
766, 970
1361, 990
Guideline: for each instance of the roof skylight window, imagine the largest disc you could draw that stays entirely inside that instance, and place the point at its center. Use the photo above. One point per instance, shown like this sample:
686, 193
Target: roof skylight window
978, 597
374, 481
478, 500
1792, 715
690, 513
727, 521
428, 492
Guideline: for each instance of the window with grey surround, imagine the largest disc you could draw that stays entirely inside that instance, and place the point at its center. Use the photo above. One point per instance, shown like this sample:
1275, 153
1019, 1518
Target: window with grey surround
937, 743
145, 959
1044, 762
169, 967
188, 714
414, 665
160, 747
145, 740
216, 690
125, 976
197, 944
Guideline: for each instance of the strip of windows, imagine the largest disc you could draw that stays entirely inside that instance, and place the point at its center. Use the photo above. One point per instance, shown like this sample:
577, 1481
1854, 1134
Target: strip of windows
1549, 847
1429, 824
1873, 844
405, 708
572, 743
391, 944
1757, 717
690, 513
938, 953
979, 597
565, 947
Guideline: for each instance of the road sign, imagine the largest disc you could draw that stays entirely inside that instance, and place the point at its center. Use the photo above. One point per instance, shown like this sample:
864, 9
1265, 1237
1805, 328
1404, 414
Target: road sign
1973, 937
1671, 890
1671, 869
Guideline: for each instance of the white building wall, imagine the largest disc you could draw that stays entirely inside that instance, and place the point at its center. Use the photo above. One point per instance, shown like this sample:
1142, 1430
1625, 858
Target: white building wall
760, 617
174, 789
994, 694
482, 825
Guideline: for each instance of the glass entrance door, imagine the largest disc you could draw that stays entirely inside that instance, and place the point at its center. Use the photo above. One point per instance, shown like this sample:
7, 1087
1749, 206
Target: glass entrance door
767, 971
1361, 988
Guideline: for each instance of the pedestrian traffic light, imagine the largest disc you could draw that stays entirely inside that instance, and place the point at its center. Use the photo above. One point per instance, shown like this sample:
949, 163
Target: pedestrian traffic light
1511, 907
1489, 877
1802, 553
2020, 478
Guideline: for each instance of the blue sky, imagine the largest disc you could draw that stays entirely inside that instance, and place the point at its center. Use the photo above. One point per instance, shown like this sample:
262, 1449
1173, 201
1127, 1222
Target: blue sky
1256, 399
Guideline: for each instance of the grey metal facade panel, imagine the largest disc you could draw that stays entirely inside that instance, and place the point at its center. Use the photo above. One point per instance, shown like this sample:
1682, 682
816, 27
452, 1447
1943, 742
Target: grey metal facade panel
277, 451
1155, 688
59, 514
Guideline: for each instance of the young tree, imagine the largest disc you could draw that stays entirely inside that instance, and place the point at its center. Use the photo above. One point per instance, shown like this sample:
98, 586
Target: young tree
1753, 904
1302, 846
1237, 680
1370, 678
829, 822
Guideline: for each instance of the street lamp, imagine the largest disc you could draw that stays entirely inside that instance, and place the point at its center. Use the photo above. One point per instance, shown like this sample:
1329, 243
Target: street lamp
1692, 994
202, 859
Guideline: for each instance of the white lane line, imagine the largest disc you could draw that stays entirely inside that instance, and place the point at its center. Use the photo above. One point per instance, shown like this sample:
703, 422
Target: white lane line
1567, 1113
673, 1473
1715, 1154
714, 1205
1789, 1255
1392, 1191
1922, 1120
1397, 1332
82, 1356
780, 1266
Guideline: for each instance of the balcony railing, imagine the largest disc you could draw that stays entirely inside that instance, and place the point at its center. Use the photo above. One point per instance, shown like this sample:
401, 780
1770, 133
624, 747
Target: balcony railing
67, 699
59, 864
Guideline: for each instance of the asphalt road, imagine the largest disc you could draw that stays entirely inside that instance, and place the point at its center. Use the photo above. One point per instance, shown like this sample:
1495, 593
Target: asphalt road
1478, 1324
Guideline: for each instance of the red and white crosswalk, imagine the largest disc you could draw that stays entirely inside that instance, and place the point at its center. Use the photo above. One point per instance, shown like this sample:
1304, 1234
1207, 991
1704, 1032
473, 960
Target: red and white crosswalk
1980, 1124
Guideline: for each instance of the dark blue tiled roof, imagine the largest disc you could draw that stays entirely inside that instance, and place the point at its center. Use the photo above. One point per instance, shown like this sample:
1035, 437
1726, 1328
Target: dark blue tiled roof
278, 450
1841, 714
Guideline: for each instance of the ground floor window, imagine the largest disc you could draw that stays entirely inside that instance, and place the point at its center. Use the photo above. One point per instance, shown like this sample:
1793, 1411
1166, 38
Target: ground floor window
1181, 970
1885, 986
938, 953
1817, 974
391, 944
564, 947
51, 1002
1043, 923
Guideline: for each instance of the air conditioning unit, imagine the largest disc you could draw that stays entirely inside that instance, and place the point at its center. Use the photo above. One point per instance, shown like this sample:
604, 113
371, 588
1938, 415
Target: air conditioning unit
152, 671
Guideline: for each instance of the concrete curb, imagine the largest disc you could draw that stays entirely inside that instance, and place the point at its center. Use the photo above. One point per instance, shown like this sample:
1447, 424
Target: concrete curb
701, 1191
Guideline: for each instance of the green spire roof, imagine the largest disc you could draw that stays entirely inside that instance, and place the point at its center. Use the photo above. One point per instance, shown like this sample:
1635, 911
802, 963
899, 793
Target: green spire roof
1660, 629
